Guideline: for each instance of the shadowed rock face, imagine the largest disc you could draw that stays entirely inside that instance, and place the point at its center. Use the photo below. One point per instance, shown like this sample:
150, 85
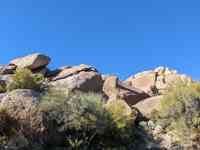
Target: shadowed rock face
33, 61
7, 69
115, 89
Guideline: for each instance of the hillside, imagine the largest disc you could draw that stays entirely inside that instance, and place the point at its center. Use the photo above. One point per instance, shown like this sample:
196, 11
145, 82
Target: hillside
77, 107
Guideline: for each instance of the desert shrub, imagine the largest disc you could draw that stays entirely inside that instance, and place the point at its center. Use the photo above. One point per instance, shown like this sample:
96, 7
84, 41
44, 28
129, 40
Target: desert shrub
85, 121
2, 88
24, 79
122, 116
181, 108
154, 91
7, 126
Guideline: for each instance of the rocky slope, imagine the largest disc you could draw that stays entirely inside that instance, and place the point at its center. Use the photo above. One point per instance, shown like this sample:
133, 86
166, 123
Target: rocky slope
87, 78
142, 91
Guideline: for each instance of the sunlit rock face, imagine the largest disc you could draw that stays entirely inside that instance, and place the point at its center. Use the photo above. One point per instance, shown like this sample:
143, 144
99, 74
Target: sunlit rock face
158, 79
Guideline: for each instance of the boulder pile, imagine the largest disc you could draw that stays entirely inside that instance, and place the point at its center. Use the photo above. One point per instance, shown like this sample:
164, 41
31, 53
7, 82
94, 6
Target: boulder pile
116, 89
85, 78
142, 93
156, 80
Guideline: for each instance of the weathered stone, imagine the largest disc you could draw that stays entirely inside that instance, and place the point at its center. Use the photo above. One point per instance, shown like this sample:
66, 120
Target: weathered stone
84, 78
144, 82
110, 87
42, 71
147, 106
70, 71
158, 79
143, 73
6, 78
33, 61
161, 83
7, 69
115, 89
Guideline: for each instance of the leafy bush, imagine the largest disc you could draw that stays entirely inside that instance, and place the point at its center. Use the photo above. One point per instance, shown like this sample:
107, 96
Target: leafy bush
85, 121
2, 88
7, 125
122, 115
181, 108
24, 79
78, 109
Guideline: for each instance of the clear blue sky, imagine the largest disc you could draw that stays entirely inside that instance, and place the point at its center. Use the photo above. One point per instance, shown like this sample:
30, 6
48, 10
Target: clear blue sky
116, 36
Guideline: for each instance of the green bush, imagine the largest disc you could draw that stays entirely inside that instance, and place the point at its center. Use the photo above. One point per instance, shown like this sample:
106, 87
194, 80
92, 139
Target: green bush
79, 109
7, 126
2, 88
181, 108
86, 121
122, 115
24, 79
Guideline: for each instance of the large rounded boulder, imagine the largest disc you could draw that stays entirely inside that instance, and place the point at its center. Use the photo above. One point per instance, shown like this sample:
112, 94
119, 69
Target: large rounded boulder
149, 105
33, 61
84, 78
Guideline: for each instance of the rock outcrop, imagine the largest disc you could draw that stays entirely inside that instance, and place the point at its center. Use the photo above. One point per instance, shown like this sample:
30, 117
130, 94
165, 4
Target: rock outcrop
141, 93
33, 61
84, 78
156, 81
115, 89
7, 69
147, 106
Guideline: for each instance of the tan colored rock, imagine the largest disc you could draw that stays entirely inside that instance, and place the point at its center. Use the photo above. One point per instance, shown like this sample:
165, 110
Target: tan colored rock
33, 61
161, 83
42, 71
143, 73
115, 89
69, 71
159, 79
84, 78
148, 105
144, 82
110, 87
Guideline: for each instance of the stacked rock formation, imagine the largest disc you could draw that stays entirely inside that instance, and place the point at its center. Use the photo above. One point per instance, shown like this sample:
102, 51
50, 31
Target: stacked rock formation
85, 78
116, 89
157, 80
